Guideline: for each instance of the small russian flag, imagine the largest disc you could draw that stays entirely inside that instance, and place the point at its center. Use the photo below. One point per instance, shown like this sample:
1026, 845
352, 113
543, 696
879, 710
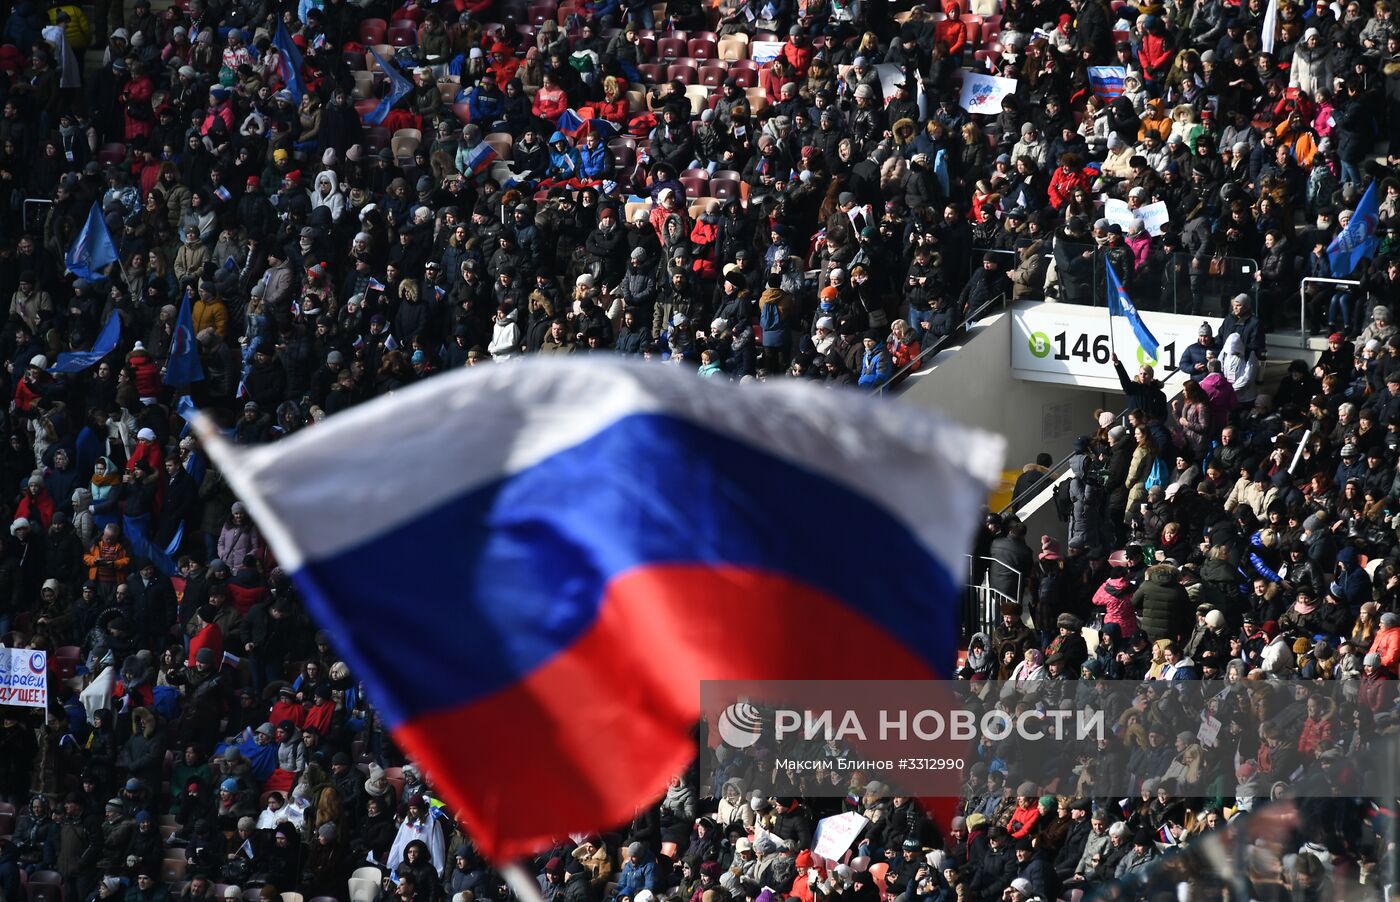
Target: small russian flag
1107, 81
222, 193
480, 158
375, 284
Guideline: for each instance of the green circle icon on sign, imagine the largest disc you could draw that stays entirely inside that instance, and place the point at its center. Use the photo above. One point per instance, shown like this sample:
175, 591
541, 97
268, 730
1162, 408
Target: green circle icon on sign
1143, 359
1039, 344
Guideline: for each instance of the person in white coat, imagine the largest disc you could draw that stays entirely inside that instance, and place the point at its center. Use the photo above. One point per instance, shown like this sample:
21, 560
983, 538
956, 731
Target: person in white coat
1240, 367
327, 194
1312, 65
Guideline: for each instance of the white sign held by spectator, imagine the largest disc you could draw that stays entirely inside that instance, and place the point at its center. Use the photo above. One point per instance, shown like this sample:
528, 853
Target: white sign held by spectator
983, 93
764, 52
1154, 216
835, 834
24, 677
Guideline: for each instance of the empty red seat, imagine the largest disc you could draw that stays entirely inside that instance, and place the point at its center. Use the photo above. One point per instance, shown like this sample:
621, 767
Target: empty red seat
377, 138
686, 74
695, 187
744, 78
372, 31
670, 48
702, 48
724, 189
402, 37
713, 76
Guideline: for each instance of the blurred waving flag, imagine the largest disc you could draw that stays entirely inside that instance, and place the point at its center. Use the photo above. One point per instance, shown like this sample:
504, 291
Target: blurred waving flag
1107, 81
106, 343
183, 365
574, 125
480, 158
1357, 241
1119, 304
92, 251
399, 87
542, 660
289, 61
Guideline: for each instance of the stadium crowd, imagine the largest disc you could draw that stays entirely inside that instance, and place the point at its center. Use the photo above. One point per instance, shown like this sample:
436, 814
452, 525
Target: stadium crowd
609, 176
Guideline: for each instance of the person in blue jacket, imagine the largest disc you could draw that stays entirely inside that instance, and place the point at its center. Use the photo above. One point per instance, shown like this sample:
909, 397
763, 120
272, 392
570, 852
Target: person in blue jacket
563, 158
638, 873
874, 363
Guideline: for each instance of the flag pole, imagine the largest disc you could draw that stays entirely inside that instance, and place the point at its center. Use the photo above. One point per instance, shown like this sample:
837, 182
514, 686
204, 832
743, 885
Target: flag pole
1108, 300
524, 888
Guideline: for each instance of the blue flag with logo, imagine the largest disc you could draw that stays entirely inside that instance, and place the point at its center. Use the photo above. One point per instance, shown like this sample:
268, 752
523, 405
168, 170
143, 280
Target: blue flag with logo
1357, 241
77, 361
399, 87
93, 250
183, 366
290, 61
1119, 304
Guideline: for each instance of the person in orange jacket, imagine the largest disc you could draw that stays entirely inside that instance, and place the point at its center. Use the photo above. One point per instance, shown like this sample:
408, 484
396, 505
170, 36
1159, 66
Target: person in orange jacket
1387, 641
109, 560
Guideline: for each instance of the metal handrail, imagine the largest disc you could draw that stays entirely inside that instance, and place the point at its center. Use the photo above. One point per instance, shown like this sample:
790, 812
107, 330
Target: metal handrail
1303, 300
913, 366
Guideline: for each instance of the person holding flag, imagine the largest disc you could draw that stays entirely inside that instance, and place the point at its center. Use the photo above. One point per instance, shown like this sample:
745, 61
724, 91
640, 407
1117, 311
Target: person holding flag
183, 366
1144, 391
1357, 239
93, 250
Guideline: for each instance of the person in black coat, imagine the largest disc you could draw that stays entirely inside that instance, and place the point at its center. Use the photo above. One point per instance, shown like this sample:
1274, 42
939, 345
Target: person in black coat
180, 503
152, 599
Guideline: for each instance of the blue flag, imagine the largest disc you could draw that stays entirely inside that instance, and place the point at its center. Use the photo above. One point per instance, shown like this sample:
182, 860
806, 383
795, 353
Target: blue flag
93, 249
1119, 304
290, 65
1357, 241
183, 366
77, 361
399, 87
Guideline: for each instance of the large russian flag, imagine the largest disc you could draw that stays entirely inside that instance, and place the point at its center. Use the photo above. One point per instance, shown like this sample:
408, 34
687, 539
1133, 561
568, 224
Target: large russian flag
532, 566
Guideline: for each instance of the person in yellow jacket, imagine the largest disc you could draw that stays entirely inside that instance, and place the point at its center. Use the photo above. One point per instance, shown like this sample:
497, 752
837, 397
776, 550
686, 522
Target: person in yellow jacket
76, 27
209, 311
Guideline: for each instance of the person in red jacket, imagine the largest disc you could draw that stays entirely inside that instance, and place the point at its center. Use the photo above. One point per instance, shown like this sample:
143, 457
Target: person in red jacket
206, 634
550, 100
1027, 812
797, 52
147, 449
1155, 53
36, 505
1068, 176
287, 707
147, 374
34, 384
951, 30
503, 62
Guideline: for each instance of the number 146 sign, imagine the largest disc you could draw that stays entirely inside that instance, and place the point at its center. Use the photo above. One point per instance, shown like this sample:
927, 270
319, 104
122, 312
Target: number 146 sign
1071, 344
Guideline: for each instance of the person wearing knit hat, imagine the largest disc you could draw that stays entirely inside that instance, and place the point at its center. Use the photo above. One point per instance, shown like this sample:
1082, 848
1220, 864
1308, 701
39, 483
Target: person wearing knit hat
1050, 549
